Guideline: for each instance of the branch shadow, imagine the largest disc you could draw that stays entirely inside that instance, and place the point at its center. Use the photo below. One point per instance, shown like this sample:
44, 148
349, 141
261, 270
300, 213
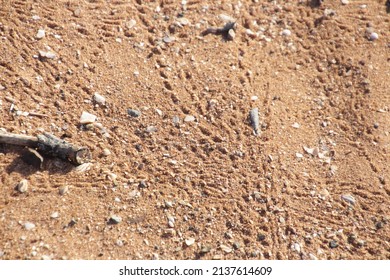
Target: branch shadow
26, 164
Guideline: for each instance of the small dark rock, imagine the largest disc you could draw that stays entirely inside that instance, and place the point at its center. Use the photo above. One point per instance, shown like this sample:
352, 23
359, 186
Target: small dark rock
72, 222
260, 237
236, 245
333, 244
379, 225
142, 184
205, 249
134, 113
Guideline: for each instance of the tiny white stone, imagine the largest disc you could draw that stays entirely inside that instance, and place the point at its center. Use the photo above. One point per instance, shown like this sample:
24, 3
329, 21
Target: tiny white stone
130, 24
87, 118
286, 32
99, 99
190, 241
374, 36
296, 125
29, 226
40, 34
344, 2
254, 98
189, 118
54, 215
50, 55
298, 155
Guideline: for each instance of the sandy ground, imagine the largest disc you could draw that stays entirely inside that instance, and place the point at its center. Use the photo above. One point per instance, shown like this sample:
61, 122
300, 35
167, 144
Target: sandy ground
188, 178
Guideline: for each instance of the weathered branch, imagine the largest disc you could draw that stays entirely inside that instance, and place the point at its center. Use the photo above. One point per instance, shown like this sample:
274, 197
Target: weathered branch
49, 145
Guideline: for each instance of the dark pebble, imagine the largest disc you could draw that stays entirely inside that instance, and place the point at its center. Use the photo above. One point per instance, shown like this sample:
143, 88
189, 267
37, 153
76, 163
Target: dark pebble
142, 184
333, 244
379, 225
260, 237
236, 245
133, 113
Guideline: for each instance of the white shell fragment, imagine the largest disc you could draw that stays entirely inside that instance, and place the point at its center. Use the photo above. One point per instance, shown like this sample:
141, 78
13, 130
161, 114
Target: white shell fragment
87, 118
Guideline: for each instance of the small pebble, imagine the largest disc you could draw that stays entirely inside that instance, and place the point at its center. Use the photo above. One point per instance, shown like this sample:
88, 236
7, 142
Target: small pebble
54, 215
236, 245
348, 198
22, 187
133, 113
373, 36
344, 2
176, 120
99, 99
286, 32
151, 129
231, 34
296, 125
63, 190
205, 249
130, 24
142, 184
168, 39
260, 237
254, 119
29, 226
87, 118
190, 241
106, 152
113, 220
183, 21
189, 118
226, 249
333, 244
40, 34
